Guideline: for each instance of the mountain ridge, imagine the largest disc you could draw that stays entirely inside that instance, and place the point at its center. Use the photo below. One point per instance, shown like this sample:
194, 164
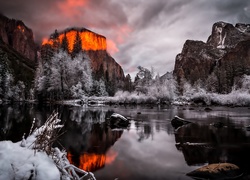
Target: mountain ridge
218, 63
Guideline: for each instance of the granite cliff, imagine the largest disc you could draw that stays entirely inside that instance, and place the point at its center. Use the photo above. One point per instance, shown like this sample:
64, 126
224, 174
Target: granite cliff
17, 59
218, 63
75, 40
17, 35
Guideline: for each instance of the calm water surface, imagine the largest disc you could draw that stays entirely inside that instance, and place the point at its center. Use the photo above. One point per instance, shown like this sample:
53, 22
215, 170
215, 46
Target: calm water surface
149, 148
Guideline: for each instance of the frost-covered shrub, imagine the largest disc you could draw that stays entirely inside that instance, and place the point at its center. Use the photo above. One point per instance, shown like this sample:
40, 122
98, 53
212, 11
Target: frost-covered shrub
19, 91
244, 84
126, 97
77, 91
237, 97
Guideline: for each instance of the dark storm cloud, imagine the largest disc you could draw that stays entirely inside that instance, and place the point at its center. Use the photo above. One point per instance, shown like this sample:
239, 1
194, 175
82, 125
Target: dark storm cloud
156, 12
46, 16
139, 32
164, 26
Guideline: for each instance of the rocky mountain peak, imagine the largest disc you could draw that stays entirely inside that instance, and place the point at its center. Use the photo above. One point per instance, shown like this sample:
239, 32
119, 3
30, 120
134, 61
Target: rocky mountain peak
219, 61
17, 35
87, 39
75, 40
225, 35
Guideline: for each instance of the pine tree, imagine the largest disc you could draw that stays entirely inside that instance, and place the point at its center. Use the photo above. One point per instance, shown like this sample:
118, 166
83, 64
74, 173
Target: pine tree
46, 53
100, 73
56, 42
77, 48
3, 74
128, 83
65, 43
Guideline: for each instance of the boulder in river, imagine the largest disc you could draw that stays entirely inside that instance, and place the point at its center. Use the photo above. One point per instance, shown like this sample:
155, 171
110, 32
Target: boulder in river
208, 109
118, 120
177, 122
217, 171
218, 124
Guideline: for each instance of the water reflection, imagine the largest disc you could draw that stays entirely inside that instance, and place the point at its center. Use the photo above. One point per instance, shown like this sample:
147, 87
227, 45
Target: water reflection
88, 137
15, 121
144, 130
204, 143
149, 148
92, 161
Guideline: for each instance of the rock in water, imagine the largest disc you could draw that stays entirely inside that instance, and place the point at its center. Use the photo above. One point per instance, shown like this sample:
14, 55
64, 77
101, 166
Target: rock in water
117, 120
177, 122
216, 171
208, 109
218, 124
118, 116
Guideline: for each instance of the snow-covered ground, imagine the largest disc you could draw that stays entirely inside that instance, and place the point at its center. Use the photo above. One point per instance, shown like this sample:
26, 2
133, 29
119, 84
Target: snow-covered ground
23, 163
33, 158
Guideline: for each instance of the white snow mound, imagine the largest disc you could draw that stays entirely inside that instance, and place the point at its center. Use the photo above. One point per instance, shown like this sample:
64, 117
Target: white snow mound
22, 163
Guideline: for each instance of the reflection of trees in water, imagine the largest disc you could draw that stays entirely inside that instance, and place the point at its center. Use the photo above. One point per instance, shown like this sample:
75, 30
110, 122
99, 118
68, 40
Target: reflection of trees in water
202, 144
144, 130
88, 116
15, 121
147, 125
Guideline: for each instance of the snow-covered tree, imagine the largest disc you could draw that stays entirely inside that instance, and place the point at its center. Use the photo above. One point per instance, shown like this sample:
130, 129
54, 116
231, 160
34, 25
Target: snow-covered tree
164, 88
99, 88
142, 80
63, 77
19, 91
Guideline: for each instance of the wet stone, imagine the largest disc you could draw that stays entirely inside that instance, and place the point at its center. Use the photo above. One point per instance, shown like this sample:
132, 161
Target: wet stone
216, 171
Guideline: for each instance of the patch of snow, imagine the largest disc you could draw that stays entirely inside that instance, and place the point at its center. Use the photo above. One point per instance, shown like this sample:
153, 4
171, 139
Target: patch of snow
34, 159
181, 102
73, 102
117, 129
177, 117
96, 103
222, 43
22, 163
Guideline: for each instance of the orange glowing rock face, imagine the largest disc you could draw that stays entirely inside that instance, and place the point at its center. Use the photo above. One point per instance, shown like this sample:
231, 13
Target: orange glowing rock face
47, 41
92, 161
90, 40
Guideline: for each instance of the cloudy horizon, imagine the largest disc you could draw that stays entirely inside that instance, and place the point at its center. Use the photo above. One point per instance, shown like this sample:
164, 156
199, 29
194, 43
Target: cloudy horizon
139, 33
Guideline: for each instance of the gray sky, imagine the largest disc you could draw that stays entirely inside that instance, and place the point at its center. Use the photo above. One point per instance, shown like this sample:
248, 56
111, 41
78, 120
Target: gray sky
139, 32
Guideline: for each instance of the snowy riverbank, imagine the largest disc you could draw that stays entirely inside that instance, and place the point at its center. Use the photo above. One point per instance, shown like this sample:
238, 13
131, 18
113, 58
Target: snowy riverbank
33, 158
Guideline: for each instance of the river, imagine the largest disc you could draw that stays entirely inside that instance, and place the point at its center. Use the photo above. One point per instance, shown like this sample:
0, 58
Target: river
149, 148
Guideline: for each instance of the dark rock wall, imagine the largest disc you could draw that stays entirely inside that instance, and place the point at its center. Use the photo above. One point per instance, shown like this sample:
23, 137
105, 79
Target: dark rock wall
225, 56
17, 35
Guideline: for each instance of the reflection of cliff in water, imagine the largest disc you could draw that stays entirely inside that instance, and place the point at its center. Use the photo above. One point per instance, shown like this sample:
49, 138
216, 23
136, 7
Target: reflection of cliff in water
88, 139
207, 144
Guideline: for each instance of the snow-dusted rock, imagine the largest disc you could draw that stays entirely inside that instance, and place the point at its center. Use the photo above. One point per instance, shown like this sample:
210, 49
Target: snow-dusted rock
118, 116
118, 120
177, 122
